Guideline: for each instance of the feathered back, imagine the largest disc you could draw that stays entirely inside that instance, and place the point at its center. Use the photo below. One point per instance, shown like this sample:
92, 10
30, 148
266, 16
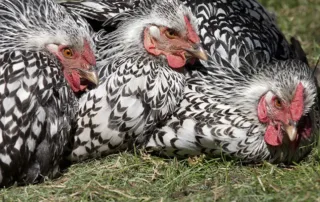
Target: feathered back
99, 10
247, 20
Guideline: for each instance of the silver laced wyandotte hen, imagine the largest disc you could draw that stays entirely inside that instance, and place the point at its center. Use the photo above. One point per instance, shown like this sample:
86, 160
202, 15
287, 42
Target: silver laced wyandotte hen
141, 68
229, 30
246, 20
245, 108
46, 57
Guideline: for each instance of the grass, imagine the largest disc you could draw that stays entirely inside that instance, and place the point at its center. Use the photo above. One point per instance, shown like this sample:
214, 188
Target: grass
299, 18
130, 177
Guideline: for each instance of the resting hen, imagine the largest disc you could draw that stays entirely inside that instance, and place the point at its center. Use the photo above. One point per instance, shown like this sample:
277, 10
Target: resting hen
244, 108
46, 58
142, 77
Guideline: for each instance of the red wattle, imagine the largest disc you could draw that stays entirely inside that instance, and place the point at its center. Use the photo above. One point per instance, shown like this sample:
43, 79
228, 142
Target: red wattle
176, 61
306, 128
273, 136
73, 80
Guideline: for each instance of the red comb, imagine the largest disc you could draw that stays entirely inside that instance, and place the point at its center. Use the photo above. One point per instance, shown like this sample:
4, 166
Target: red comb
297, 104
192, 35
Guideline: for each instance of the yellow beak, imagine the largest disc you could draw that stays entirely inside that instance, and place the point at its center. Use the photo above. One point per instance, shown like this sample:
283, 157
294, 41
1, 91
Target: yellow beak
291, 130
197, 51
89, 75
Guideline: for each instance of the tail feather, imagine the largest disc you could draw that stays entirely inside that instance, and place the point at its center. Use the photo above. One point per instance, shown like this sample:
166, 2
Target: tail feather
297, 50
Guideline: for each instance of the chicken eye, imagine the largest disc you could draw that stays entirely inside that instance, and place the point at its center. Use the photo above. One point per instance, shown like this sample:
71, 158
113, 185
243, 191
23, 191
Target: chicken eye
67, 52
171, 34
277, 103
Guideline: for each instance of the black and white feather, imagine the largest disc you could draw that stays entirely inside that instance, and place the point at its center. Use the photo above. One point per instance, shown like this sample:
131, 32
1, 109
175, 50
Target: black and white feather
98, 11
218, 113
36, 103
242, 38
137, 89
247, 20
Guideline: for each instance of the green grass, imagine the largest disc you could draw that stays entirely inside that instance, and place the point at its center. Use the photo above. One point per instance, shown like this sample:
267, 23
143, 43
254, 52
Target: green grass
299, 18
129, 177
126, 177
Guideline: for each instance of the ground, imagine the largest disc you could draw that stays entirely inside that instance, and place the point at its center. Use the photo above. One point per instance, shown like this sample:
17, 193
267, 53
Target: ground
139, 177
